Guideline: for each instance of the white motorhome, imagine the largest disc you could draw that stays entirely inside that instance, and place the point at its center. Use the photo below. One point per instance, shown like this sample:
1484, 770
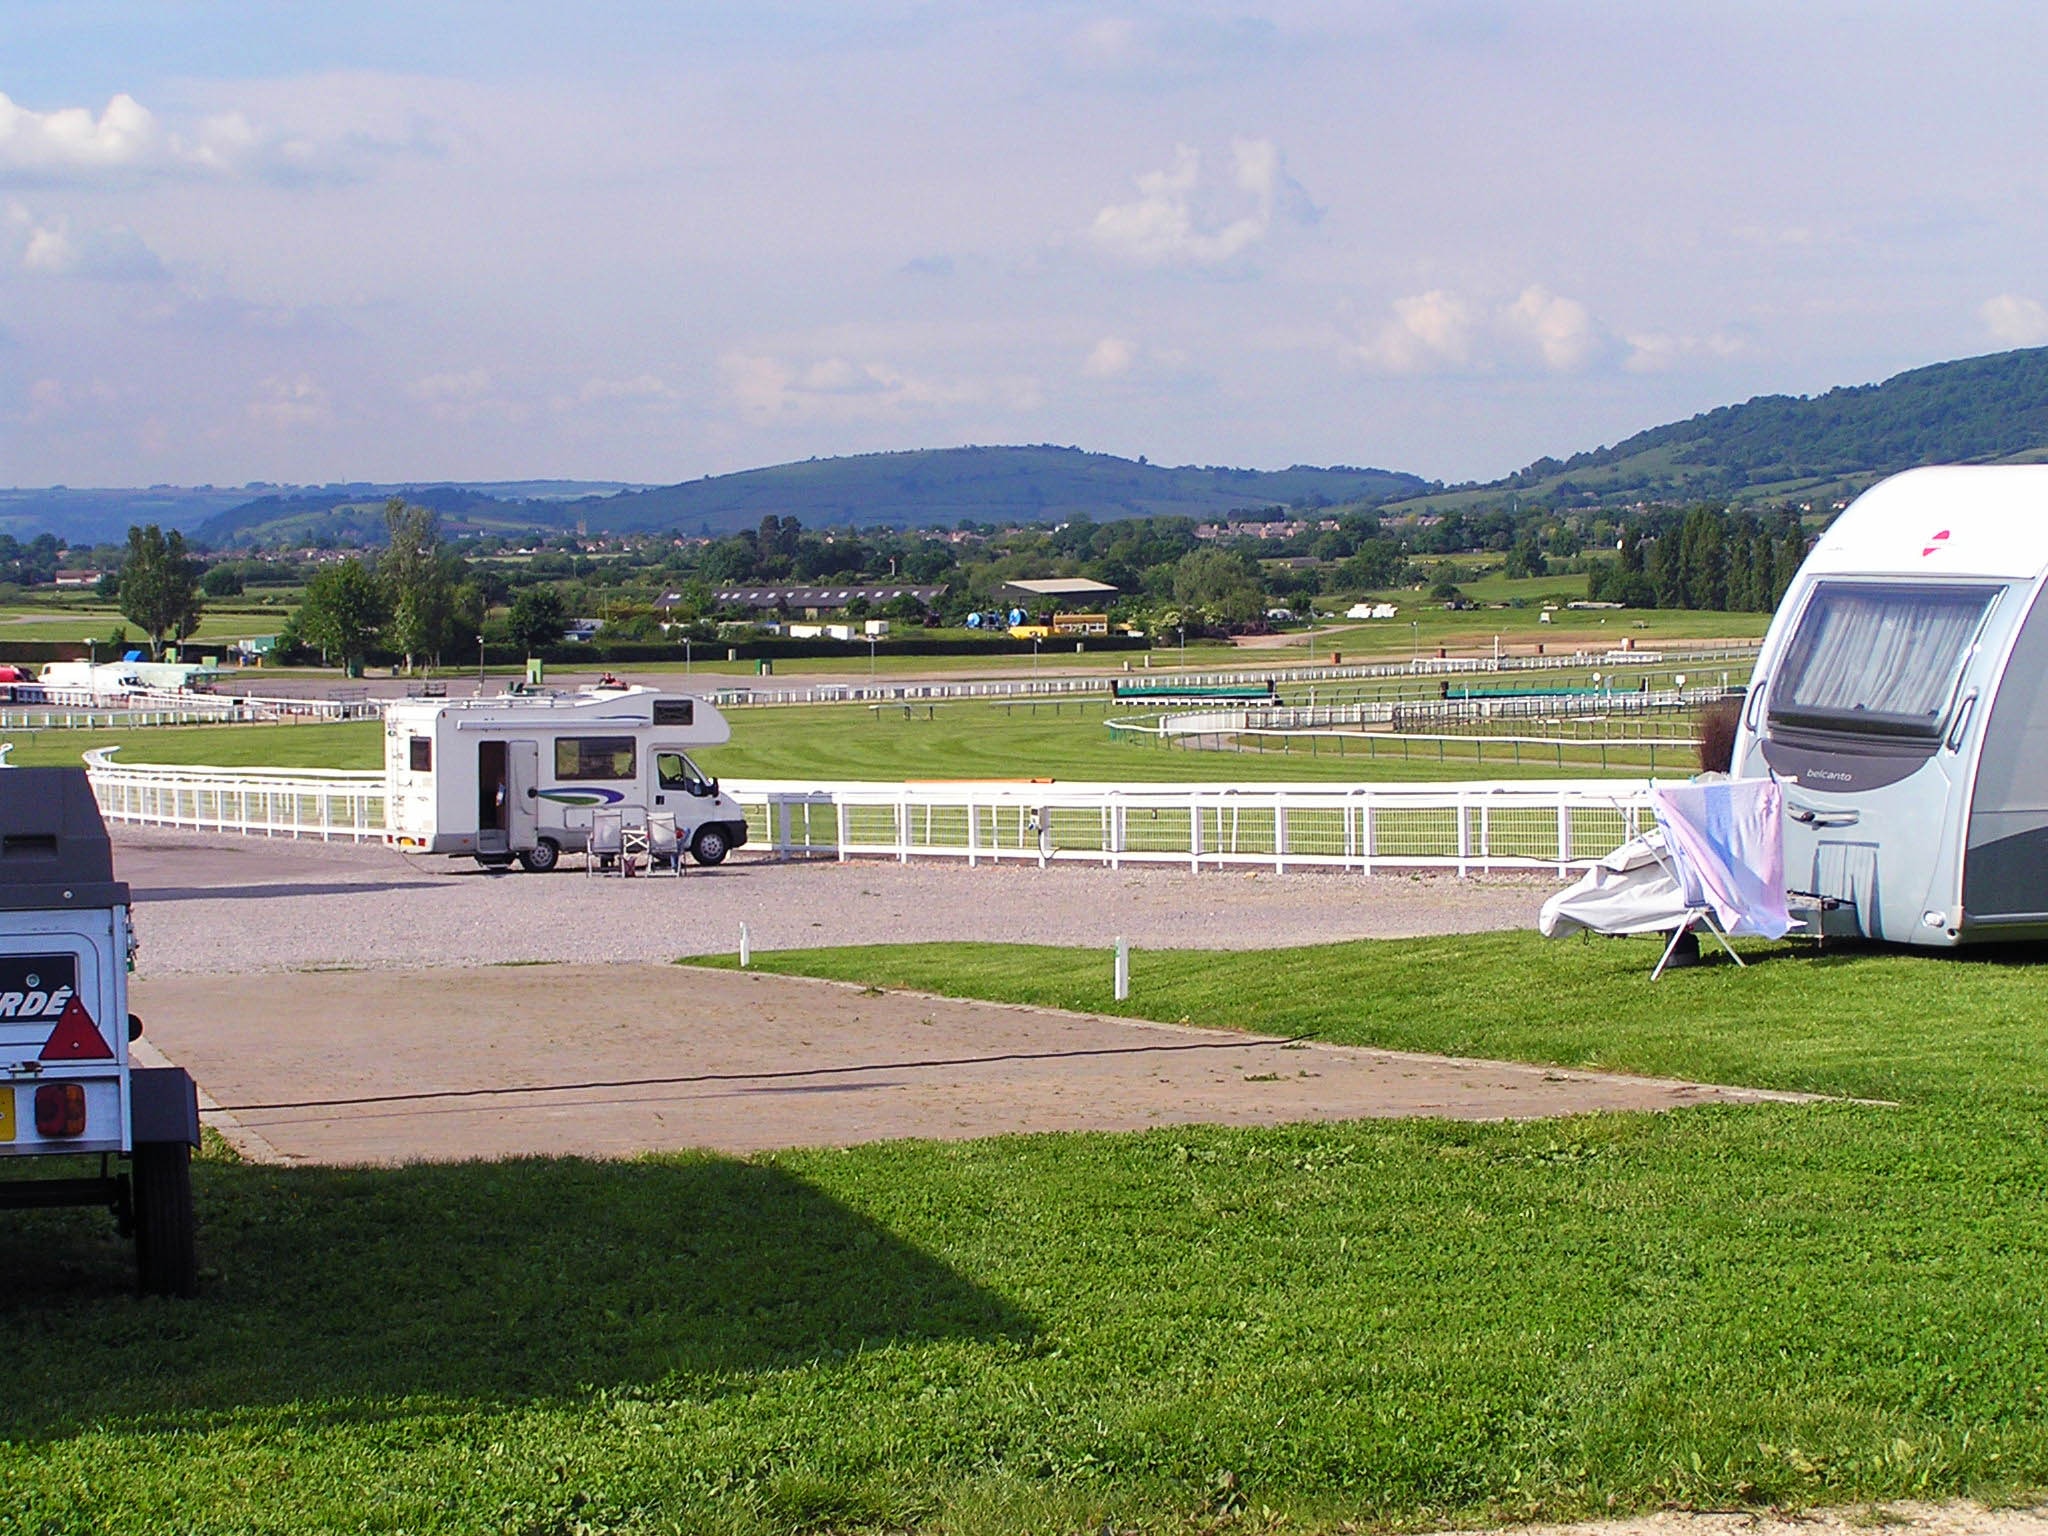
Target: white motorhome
1901, 698
519, 776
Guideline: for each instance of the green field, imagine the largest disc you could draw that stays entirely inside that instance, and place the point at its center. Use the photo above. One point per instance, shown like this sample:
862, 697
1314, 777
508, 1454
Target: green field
968, 739
1395, 1323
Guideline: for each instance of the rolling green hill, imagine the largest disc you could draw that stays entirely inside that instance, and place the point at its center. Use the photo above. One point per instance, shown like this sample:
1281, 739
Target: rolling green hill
903, 490
995, 485
1975, 410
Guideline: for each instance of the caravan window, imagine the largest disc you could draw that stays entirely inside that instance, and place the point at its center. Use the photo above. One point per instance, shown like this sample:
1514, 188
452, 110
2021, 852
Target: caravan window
593, 757
420, 754
1878, 657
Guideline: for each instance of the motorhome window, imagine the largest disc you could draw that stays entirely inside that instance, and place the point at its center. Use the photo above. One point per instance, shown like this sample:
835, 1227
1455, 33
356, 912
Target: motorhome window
675, 711
422, 754
1878, 658
593, 757
675, 771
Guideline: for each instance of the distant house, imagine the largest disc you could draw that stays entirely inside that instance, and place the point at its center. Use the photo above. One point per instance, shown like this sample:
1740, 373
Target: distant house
813, 601
1056, 591
79, 578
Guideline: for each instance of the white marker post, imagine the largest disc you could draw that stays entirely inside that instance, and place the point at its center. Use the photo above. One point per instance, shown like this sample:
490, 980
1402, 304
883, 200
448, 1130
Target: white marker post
746, 948
1123, 969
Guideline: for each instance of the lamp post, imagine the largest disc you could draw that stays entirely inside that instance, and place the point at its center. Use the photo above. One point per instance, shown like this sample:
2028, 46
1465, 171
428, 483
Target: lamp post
479, 661
1183, 645
1034, 654
686, 655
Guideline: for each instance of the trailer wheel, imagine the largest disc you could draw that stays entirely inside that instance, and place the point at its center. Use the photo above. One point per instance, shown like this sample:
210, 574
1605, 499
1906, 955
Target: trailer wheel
541, 857
710, 845
166, 1250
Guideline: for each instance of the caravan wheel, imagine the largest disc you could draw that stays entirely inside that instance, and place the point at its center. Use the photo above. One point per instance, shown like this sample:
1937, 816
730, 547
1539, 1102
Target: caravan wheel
710, 845
541, 857
167, 1262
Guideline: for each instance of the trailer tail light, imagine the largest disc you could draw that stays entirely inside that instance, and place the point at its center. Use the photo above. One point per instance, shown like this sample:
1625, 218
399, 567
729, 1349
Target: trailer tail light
60, 1109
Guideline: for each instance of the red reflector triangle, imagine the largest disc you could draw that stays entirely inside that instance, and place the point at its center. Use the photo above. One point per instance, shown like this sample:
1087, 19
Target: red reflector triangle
76, 1037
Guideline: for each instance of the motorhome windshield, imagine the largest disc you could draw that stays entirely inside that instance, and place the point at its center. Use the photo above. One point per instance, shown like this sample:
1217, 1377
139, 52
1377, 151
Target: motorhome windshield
1878, 657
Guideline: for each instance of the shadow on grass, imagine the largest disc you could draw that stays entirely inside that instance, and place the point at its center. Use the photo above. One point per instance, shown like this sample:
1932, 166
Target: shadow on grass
340, 1291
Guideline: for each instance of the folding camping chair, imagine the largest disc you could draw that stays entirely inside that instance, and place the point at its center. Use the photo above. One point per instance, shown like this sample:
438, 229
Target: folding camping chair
607, 851
664, 847
1723, 847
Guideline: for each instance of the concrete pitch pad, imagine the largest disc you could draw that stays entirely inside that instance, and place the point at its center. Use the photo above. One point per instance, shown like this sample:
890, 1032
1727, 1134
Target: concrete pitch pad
452, 1064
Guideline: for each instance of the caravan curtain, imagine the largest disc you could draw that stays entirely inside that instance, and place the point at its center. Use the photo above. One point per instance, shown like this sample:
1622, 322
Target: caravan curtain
1878, 657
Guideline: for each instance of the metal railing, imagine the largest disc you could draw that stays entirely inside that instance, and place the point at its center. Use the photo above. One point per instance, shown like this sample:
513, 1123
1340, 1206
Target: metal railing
1553, 826
324, 803
1278, 669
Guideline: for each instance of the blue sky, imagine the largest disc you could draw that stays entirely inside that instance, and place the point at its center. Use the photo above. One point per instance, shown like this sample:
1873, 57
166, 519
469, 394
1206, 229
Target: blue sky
247, 241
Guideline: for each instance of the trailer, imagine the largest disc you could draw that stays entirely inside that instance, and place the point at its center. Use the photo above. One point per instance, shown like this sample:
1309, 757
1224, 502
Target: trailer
521, 775
1901, 698
68, 1089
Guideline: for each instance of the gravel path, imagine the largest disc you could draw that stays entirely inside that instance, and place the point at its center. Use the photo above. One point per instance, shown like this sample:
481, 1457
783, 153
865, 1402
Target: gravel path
219, 905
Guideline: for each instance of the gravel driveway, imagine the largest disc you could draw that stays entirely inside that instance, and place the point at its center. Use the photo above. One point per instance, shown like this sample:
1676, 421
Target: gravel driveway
230, 905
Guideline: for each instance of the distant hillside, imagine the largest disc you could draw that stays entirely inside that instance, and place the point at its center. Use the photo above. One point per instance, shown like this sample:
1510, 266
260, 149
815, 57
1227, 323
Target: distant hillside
104, 516
1978, 409
918, 489
993, 485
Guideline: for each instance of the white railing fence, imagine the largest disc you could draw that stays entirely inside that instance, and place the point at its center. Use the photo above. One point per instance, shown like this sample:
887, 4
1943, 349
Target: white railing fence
1557, 827
329, 804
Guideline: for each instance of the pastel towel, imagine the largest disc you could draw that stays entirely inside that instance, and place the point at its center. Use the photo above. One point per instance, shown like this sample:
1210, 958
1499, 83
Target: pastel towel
1728, 843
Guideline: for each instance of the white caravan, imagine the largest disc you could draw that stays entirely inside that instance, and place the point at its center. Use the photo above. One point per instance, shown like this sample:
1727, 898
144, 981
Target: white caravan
1901, 698
519, 776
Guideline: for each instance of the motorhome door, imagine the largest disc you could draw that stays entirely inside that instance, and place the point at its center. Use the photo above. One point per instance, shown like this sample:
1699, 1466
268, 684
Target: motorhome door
493, 798
522, 759
508, 806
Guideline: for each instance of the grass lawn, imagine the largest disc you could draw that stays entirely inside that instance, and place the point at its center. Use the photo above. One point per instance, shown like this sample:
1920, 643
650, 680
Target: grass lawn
345, 744
1190, 1329
966, 740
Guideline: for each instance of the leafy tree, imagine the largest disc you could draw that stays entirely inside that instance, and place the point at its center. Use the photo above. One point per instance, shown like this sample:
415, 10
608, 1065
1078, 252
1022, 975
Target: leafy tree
1222, 586
159, 586
221, 581
343, 609
538, 618
421, 576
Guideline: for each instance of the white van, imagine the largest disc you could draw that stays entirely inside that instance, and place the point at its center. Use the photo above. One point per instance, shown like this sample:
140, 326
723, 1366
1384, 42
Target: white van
519, 776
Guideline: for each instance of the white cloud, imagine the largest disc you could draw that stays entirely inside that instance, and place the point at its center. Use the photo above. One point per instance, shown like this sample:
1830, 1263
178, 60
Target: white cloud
126, 139
49, 399
51, 249
1429, 332
769, 389
71, 138
1444, 332
642, 387
2013, 321
1657, 351
1110, 357
285, 404
466, 395
1181, 220
1560, 329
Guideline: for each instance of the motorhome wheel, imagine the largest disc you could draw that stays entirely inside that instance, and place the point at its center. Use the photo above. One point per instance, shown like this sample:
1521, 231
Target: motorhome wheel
541, 857
710, 845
